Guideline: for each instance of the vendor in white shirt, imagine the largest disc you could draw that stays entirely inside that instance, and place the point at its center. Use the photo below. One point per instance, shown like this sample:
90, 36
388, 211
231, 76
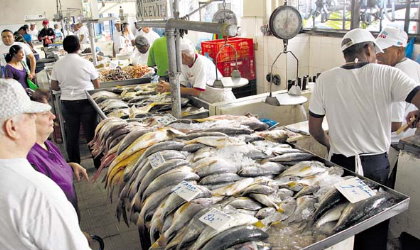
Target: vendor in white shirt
393, 42
356, 99
141, 54
198, 75
82, 33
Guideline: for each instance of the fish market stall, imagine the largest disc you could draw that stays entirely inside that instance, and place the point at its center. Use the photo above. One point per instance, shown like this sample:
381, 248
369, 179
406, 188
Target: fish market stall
406, 181
141, 101
226, 181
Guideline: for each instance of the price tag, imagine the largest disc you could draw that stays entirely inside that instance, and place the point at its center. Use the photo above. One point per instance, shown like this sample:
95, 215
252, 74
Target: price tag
215, 218
186, 190
166, 119
355, 189
156, 160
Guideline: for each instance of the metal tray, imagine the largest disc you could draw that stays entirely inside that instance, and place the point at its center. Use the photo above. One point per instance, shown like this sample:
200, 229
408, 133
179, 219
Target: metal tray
196, 102
388, 213
111, 84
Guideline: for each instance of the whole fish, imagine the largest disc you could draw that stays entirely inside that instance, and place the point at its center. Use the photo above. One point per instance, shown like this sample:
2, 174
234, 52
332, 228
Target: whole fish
170, 178
327, 201
265, 212
234, 188
219, 178
193, 147
238, 219
291, 157
245, 203
305, 208
233, 236
331, 215
268, 168
193, 135
353, 212
265, 200
203, 153
219, 166
217, 141
305, 168
258, 189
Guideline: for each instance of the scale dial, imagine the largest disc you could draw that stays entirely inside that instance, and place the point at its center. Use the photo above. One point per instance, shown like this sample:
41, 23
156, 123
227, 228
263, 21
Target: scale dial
285, 22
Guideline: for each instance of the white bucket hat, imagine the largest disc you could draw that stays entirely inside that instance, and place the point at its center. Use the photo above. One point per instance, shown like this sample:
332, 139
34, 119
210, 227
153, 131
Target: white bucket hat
392, 36
356, 36
14, 100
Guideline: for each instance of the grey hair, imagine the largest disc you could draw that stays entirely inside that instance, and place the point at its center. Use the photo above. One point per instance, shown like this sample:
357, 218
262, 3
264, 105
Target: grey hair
141, 41
187, 48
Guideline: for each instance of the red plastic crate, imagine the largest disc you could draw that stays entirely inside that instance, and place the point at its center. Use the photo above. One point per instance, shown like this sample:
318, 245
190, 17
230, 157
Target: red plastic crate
243, 46
246, 67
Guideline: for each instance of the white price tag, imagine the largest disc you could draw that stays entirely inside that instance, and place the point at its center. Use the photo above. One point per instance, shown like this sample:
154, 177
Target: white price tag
186, 190
166, 119
156, 160
215, 218
355, 189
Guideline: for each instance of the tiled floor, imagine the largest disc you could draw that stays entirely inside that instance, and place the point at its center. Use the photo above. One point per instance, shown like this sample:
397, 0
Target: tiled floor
98, 214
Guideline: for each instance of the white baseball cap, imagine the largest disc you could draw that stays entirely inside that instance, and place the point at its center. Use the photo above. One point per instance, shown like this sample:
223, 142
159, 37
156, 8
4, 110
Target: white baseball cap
14, 100
356, 36
392, 36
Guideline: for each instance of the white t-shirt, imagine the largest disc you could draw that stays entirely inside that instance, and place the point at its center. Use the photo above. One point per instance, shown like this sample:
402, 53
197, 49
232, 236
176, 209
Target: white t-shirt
357, 105
401, 109
151, 36
201, 76
74, 75
34, 34
34, 212
126, 44
85, 32
138, 58
5, 49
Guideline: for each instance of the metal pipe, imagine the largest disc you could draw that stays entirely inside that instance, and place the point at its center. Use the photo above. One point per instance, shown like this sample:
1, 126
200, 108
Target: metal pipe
178, 50
153, 24
173, 73
92, 42
215, 28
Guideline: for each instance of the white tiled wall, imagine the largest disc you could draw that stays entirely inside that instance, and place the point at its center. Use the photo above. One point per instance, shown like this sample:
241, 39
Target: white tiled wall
315, 53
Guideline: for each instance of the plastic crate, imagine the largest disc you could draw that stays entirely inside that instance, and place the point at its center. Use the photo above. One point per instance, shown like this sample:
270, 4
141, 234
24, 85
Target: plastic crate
246, 66
244, 48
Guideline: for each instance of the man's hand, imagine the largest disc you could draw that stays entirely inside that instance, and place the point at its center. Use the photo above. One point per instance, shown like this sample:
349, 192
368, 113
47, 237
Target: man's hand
413, 115
31, 76
79, 171
163, 87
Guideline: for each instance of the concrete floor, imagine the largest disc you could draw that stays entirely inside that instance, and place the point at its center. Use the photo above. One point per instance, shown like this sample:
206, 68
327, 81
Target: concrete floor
98, 213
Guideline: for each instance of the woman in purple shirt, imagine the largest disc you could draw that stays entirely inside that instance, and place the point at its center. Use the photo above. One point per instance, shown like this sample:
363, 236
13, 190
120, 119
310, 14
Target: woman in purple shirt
46, 158
15, 67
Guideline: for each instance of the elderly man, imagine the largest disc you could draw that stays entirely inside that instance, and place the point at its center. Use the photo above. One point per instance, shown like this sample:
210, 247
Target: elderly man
8, 41
34, 212
356, 98
33, 31
141, 54
198, 76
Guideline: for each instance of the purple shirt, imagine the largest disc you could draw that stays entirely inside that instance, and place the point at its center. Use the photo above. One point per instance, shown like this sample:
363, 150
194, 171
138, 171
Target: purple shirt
17, 74
52, 164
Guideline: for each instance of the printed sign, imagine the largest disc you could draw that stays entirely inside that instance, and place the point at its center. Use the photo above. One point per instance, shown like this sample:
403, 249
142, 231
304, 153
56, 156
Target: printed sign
186, 190
156, 160
355, 189
166, 119
215, 218
152, 9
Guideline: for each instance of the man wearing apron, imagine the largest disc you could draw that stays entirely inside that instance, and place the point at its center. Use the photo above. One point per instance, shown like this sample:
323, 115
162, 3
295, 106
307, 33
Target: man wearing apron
356, 100
198, 76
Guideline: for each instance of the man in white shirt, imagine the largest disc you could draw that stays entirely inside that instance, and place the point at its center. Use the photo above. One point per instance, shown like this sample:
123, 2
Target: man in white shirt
34, 212
82, 33
356, 99
393, 42
33, 31
148, 32
8, 41
141, 54
116, 37
198, 76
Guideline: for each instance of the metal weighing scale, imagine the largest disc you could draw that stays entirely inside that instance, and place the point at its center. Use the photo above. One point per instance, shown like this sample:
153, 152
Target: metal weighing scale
285, 23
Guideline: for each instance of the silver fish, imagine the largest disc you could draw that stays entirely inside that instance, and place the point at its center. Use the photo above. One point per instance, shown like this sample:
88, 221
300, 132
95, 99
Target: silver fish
245, 203
219, 178
292, 157
268, 168
331, 215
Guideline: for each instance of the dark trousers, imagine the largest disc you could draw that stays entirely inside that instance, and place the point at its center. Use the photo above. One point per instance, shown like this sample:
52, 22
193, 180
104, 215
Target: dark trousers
76, 113
375, 167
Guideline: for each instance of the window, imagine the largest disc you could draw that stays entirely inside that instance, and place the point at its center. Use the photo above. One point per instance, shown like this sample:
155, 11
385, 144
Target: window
341, 15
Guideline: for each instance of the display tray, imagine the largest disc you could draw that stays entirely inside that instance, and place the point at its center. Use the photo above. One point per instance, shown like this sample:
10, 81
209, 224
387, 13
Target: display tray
105, 85
194, 101
399, 207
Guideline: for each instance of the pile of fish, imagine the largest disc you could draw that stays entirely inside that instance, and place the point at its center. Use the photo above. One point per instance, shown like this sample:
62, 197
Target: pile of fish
263, 192
140, 101
124, 73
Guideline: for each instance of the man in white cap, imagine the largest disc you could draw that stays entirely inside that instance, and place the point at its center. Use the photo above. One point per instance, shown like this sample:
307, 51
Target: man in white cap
198, 76
356, 99
393, 42
34, 212
116, 37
